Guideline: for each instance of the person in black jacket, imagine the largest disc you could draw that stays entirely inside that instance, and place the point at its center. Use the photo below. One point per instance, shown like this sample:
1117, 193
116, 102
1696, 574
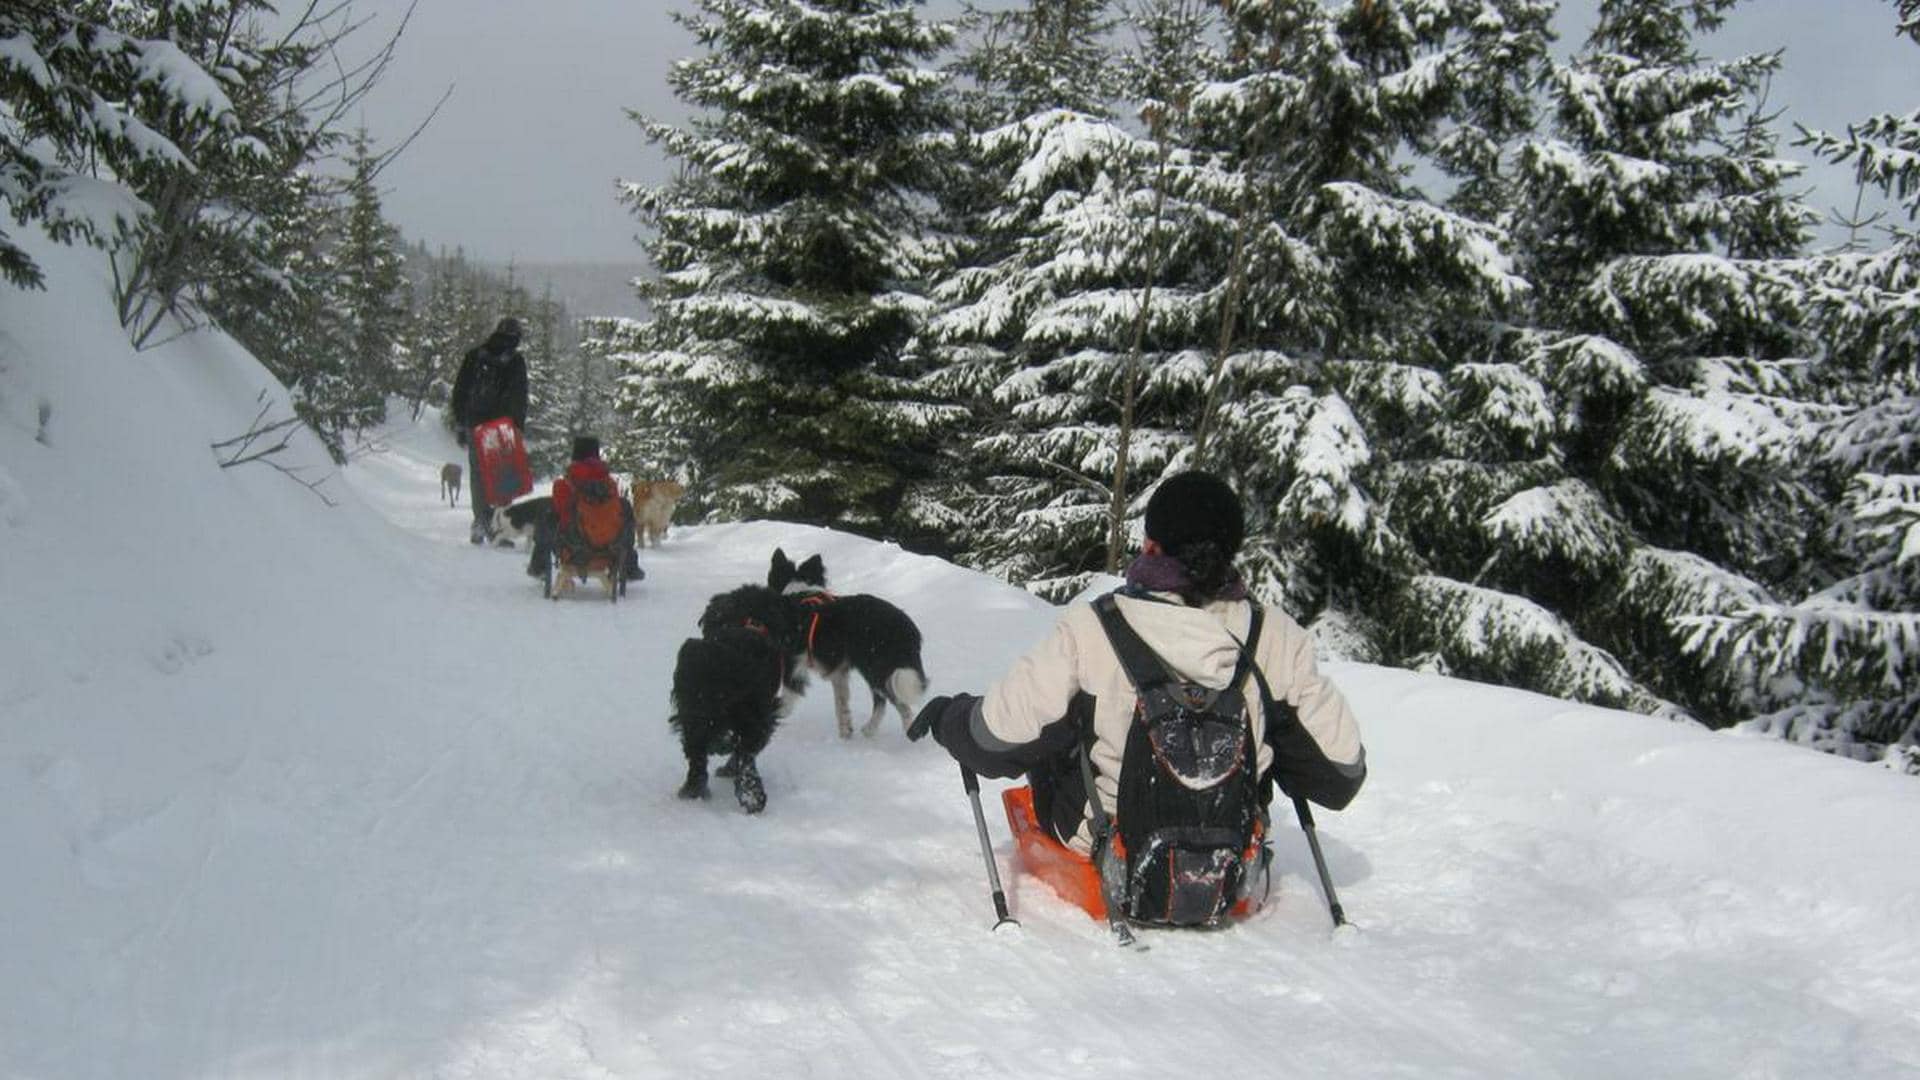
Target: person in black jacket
492, 383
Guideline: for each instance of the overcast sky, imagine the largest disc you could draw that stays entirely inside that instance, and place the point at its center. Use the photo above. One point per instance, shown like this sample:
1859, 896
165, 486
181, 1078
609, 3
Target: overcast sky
522, 159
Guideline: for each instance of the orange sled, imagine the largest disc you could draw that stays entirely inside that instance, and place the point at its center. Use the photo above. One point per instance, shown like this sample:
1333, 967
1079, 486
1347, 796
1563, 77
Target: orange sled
1067, 872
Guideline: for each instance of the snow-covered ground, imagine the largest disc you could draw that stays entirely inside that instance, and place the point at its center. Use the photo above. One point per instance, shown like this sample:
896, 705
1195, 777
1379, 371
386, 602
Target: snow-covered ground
297, 790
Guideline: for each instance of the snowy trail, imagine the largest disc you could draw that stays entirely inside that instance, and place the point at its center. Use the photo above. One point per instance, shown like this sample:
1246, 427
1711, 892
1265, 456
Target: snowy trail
1526, 928
297, 791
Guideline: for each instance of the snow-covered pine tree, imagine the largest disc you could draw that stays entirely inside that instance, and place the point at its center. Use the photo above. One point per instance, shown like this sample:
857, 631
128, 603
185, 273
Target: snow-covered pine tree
585, 385
67, 83
555, 378
1655, 223
792, 252
1360, 404
1500, 65
374, 285
1044, 55
297, 324
252, 119
456, 302
1083, 284
433, 332
1840, 666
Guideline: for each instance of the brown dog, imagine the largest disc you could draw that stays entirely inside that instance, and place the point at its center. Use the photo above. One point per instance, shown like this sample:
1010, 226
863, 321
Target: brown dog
653, 503
450, 483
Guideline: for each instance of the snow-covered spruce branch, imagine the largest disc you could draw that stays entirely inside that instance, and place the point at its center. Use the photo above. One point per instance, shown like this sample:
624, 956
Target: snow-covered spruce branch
260, 110
1837, 727
1567, 520
1479, 631
1670, 585
1843, 644
1884, 151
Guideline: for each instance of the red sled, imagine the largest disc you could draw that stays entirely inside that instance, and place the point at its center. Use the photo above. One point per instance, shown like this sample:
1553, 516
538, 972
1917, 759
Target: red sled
1067, 872
504, 472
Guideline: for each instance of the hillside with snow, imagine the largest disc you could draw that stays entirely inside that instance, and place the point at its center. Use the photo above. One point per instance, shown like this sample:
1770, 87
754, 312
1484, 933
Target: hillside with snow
294, 782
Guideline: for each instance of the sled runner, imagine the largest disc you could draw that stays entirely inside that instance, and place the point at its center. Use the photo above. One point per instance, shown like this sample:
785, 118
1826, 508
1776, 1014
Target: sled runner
1068, 873
505, 474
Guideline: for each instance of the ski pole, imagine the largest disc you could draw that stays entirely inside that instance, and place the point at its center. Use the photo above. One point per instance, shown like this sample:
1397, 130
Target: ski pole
986, 848
1319, 860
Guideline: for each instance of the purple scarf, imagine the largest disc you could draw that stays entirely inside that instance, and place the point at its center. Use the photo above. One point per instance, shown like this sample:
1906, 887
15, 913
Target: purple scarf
1163, 573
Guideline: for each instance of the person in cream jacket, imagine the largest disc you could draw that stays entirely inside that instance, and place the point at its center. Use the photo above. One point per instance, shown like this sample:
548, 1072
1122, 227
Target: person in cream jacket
1187, 603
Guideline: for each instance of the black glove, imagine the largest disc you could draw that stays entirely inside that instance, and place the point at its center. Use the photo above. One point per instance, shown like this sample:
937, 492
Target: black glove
460, 435
947, 718
929, 715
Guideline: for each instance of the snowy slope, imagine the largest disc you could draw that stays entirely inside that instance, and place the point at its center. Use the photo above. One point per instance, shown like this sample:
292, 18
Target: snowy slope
291, 790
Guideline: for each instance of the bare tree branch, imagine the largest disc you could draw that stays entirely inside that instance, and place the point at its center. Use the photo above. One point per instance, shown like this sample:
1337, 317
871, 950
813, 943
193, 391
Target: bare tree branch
253, 445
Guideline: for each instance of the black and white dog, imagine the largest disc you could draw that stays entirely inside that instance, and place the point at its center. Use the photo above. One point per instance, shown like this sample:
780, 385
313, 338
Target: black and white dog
521, 520
853, 633
730, 685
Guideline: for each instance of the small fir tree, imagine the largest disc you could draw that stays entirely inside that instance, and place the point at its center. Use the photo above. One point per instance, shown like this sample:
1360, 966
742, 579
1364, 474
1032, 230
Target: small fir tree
1343, 401
792, 252
1079, 253
374, 289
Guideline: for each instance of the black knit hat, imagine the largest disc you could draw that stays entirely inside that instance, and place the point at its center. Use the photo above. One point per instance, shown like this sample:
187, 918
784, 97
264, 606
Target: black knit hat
1193, 507
508, 327
584, 447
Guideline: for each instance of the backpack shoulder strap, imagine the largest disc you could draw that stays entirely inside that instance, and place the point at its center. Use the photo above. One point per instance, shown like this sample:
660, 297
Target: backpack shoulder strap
1268, 701
1247, 665
1143, 666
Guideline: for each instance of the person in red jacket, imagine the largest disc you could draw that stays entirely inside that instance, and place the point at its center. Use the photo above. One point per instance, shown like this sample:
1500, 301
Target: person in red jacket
586, 466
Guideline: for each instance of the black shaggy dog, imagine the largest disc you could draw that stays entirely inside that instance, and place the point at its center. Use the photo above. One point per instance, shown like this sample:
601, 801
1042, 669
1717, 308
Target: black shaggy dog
859, 633
730, 687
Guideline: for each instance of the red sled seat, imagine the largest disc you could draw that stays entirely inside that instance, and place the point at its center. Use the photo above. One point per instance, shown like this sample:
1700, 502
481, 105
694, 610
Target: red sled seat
1068, 873
504, 472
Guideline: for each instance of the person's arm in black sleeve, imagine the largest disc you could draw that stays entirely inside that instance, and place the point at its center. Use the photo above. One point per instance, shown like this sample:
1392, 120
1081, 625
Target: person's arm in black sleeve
1303, 769
1317, 754
958, 726
1031, 706
462, 391
517, 392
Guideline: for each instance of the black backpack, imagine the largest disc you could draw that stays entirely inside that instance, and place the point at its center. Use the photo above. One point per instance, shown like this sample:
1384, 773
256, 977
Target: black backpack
487, 393
1189, 828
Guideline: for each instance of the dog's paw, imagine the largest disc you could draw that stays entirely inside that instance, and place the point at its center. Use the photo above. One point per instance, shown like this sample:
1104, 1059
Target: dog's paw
748, 789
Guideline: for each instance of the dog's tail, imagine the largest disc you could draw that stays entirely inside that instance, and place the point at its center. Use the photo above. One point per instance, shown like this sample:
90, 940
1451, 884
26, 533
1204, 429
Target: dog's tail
907, 686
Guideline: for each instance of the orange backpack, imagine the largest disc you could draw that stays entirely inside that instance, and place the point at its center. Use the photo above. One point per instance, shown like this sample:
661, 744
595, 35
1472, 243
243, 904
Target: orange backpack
598, 513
